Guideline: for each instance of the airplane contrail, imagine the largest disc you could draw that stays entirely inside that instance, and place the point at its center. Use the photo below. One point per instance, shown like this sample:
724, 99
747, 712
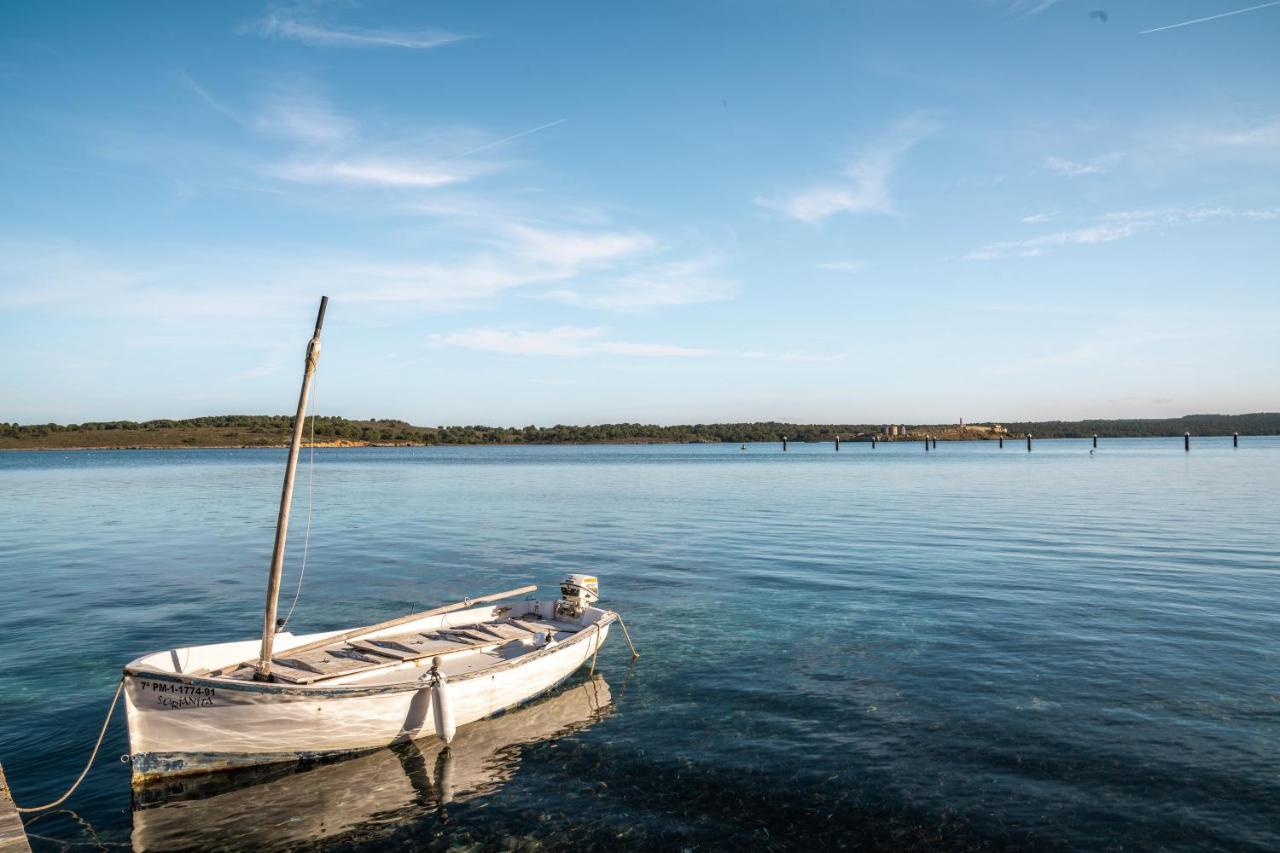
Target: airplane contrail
523, 133
1210, 18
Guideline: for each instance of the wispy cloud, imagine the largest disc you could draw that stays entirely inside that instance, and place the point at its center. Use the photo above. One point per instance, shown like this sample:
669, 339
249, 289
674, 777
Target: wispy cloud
561, 341
296, 111
864, 186
843, 266
209, 100
331, 147
573, 250
1030, 8
286, 27
1106, 349
604, 269
1072, 169
657, 285
1263, 137
1037, 218
579, 341
1115, 226
1210, 18
504, 140
376, 173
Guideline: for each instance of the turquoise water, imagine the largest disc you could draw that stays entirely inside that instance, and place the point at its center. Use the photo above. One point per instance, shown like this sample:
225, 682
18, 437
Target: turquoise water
970, 648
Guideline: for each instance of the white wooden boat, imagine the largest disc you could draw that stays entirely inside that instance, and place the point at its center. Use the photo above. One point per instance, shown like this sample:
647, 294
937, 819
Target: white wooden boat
359, 798
284, 697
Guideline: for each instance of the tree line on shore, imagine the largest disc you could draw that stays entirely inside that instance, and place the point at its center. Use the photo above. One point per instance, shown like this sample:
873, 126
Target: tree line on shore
229, 430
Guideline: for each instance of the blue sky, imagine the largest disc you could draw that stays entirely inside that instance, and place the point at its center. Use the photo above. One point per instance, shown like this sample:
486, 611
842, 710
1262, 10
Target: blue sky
661, 212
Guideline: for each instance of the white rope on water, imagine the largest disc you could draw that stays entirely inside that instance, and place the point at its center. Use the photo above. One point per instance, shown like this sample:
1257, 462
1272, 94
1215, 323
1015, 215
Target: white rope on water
627, 634
83, 773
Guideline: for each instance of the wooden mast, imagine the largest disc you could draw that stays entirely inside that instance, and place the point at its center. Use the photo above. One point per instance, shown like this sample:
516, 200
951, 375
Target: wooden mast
286, 498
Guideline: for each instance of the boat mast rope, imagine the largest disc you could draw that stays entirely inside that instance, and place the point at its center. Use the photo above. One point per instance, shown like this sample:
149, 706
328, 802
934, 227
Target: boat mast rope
311, 478
83, 773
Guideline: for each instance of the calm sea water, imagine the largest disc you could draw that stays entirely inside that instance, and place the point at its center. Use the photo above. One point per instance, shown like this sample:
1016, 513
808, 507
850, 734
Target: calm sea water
970, 648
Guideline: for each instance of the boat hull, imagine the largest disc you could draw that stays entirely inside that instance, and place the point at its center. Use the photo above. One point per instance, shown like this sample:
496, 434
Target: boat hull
182, 724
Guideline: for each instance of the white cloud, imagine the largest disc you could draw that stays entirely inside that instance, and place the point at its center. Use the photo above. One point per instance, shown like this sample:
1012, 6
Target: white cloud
333, 148
296, 112
601, 269
864, 187
1030, 8
843, 266
1104, 233
209, 100
655, 286
377, 172
1261, 137
574, 250
562, 341
1036, 218
291, 29
1115, 226
1072, 169
1105, 349
578, 341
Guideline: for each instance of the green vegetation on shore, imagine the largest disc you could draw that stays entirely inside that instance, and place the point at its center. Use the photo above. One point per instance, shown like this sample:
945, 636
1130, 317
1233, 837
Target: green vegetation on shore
274, 430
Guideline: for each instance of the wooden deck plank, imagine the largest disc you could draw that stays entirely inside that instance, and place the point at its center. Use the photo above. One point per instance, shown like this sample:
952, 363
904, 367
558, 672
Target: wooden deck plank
13, 837
343, 658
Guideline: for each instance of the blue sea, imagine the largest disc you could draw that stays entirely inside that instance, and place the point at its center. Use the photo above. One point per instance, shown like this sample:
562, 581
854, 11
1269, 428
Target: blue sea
969, 648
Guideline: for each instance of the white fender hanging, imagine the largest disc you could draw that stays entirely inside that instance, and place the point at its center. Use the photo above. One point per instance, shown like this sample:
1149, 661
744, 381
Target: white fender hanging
445, 726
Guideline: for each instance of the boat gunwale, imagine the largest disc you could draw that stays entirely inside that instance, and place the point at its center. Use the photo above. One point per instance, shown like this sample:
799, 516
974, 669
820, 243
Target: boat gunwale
303, 690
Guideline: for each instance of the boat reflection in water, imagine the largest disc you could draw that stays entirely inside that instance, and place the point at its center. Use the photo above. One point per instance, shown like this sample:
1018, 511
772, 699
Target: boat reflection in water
376, 793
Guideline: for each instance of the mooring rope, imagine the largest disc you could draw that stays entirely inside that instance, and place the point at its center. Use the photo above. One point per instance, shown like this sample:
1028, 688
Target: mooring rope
627, 634
92, 756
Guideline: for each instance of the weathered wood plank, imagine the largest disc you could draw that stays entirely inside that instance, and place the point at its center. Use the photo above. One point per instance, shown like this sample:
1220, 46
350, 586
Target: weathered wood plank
13, 837
381, 626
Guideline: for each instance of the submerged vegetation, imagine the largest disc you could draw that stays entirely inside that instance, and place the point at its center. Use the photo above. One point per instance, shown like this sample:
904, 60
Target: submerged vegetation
274, 430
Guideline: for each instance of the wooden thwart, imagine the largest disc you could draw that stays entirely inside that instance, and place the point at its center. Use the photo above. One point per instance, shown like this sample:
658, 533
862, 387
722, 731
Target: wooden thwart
356, 656
371, 629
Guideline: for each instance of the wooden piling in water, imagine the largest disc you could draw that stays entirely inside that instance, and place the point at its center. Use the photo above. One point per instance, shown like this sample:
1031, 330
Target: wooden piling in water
935, 443
837, 444
13, 836
784, 444
1235, 439
873, 442
926, 444
1186, 441
1002, 442
1028, 442
1095, 439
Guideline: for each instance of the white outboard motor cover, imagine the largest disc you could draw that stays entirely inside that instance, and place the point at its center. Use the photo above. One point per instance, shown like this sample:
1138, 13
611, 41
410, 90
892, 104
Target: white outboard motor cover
577, 593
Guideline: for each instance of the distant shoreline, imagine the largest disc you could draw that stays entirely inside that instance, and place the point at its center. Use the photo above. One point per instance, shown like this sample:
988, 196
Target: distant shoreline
249, 431
381, 445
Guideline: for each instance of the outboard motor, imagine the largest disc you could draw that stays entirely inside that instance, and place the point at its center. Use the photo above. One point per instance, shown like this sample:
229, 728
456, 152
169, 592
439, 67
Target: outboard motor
577, 593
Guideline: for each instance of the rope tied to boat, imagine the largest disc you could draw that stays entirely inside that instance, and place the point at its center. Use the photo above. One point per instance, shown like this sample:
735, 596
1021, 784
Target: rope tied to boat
102, 733
627, 634
311, 479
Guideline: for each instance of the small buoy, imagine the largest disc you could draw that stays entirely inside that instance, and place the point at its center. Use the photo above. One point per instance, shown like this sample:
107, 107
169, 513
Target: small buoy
445, 727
